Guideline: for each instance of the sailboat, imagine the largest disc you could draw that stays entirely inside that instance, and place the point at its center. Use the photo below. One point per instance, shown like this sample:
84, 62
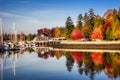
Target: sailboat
3, 45
13, 44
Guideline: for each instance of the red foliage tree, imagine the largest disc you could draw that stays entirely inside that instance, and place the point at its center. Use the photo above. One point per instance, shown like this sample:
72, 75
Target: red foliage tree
105, 26
76, 34
96, 33
45, 31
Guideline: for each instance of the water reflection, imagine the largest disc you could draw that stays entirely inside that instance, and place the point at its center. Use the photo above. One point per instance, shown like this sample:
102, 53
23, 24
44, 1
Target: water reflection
91, 64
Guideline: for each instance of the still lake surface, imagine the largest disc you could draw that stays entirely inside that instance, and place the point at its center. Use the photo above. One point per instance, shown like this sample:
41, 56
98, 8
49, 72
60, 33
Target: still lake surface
59, 65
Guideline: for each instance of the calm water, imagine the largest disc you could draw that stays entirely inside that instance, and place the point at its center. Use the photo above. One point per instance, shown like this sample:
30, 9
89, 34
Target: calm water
59, 65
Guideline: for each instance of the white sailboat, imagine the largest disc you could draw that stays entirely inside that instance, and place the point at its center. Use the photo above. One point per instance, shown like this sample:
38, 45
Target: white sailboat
1, 35
15, 33
3, 47
14, 45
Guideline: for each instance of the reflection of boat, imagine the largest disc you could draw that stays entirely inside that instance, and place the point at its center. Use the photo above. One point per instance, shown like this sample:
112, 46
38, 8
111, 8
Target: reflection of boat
13, 57
3, 57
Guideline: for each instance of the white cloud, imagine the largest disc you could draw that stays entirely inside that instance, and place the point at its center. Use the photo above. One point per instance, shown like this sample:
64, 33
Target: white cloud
25, 18
5, 14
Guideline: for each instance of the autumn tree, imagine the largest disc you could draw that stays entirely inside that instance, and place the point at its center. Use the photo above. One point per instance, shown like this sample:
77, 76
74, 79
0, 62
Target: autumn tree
45, 31
117, 33
79, 22
57, 32
86, 31
76, 34
98, 21
69, 27
96, 33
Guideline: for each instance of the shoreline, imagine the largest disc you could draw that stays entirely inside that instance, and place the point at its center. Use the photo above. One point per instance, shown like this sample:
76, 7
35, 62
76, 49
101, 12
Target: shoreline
102, 45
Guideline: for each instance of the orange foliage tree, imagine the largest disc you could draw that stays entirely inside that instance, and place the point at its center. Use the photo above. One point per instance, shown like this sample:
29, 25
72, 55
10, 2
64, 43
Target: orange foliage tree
57, 32
96, 34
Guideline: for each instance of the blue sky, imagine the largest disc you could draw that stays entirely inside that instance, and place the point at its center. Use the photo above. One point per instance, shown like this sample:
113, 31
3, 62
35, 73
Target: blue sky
31, 15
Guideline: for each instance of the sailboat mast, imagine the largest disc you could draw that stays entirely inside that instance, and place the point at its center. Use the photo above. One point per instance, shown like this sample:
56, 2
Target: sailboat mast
1, 33
15, 33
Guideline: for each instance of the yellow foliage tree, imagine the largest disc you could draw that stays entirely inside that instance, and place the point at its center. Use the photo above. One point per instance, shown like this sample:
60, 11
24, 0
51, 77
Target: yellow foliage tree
117, 33
57, 32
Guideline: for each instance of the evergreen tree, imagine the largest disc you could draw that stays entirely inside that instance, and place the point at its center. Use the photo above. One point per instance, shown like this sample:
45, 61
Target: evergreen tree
69, 27
91, 18
119, 14
86, 19
79, 22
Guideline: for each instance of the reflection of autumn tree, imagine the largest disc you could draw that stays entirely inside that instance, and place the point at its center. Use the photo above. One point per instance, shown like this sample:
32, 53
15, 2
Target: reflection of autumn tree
117, 63
111, 65
78, 58
89, 65
97, 60
58, 54
69, 61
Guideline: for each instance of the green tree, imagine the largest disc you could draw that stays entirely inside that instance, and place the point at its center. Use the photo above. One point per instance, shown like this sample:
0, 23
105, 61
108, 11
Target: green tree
30, 37
119, 14
85, 28
79, 22
91, 18
115, 24
108, 33
98, 21
86, 19
69, 27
